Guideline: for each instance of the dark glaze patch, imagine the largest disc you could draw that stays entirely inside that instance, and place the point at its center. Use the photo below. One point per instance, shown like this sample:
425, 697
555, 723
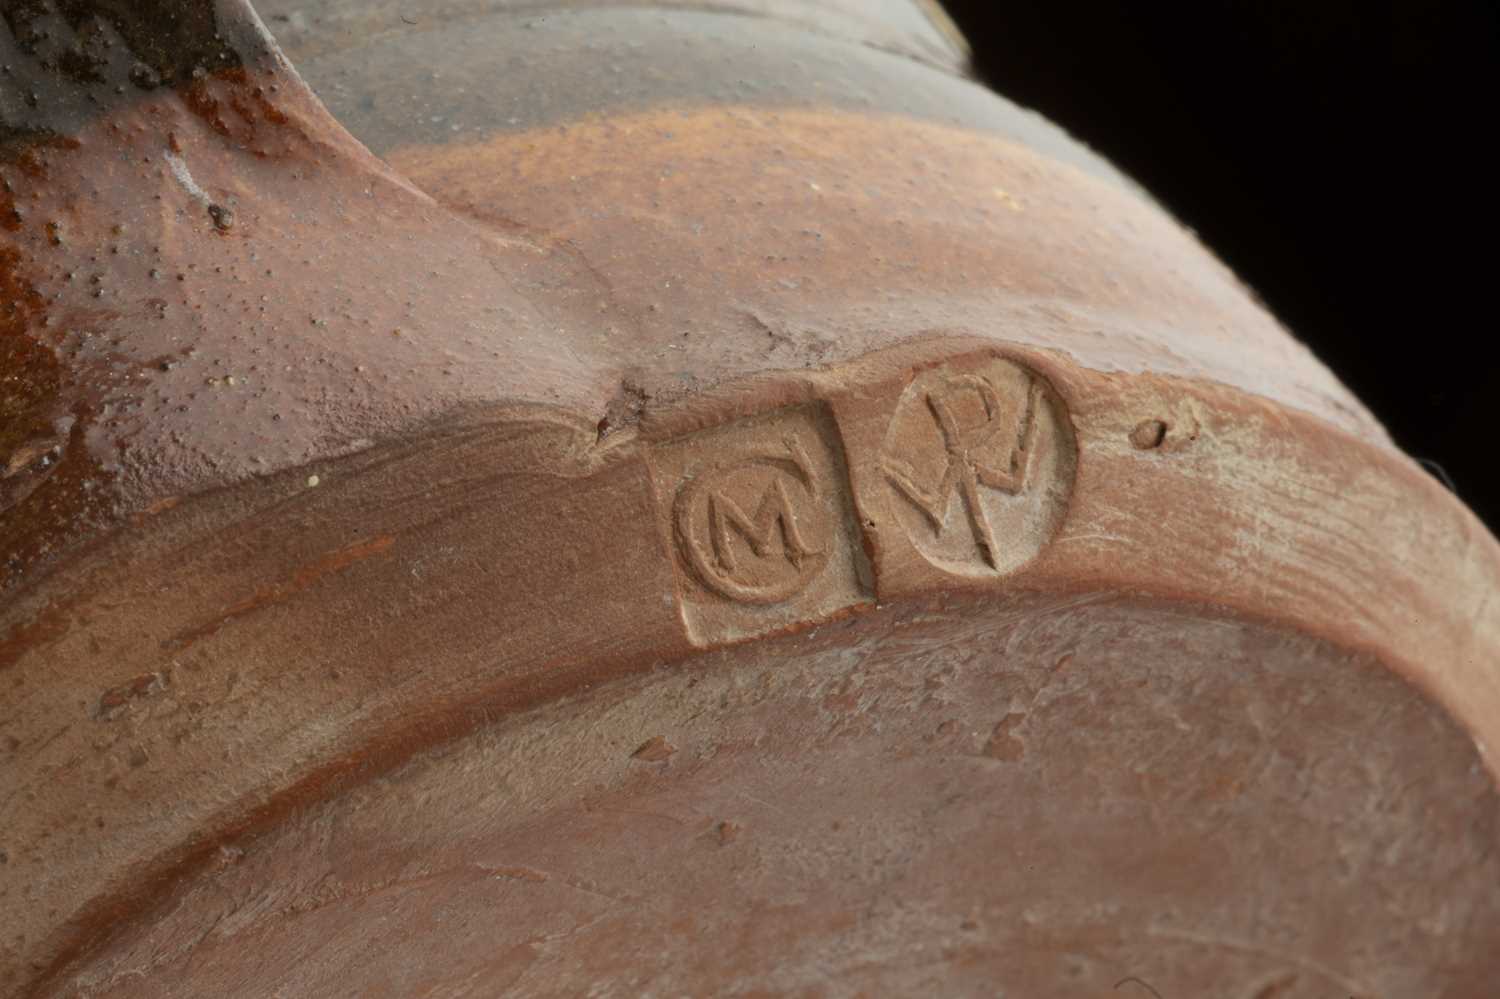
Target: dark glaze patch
65, 66
66, 61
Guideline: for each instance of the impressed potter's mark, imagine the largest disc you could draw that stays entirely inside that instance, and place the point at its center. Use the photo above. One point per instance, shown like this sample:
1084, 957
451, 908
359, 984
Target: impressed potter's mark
763, 557
760, 520
979, 465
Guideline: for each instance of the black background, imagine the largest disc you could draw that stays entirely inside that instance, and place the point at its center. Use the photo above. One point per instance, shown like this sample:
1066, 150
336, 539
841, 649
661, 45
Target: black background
1335, 153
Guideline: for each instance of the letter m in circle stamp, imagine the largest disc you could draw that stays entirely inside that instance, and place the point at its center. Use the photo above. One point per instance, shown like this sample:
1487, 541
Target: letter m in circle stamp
761, 525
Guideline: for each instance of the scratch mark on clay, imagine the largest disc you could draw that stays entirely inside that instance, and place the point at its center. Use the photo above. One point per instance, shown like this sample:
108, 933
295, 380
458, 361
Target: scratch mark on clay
1275, 987
636, 811
46, 627
516, 874
763, 804
655, 750
114, 701
276, 592
578, 884
1132, 980
1238, 946
184, 177
1113, 539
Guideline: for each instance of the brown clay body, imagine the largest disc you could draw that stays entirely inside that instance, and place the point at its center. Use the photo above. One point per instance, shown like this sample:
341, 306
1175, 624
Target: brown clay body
688, 500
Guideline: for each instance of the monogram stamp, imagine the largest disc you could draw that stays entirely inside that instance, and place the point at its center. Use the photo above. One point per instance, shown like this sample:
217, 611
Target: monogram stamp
978, 464
761, 524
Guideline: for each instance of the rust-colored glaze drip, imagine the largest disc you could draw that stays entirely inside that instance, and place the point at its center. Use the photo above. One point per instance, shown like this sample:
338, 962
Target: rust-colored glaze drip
645, 417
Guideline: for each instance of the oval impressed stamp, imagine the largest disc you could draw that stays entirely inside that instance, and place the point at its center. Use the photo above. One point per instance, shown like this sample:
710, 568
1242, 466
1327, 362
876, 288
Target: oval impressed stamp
978, 462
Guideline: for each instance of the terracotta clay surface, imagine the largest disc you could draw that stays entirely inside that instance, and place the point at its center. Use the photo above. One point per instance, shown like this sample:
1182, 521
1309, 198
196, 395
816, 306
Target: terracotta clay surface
685, 500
